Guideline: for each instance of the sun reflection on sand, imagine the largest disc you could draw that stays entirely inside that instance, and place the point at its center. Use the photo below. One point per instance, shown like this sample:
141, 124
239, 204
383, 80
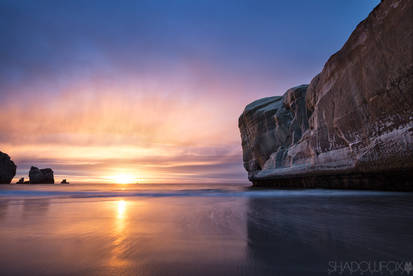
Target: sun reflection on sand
121, 209
119, 234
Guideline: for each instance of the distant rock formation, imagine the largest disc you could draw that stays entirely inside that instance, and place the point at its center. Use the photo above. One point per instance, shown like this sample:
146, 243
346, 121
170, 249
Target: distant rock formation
64, 182
7, 169
352, 127
21, 181
41, 176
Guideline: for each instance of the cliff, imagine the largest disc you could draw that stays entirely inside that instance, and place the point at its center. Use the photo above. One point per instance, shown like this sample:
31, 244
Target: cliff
7, 169
352, 127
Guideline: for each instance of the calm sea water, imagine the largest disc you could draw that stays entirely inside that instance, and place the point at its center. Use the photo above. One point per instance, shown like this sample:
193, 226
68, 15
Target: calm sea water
201, 230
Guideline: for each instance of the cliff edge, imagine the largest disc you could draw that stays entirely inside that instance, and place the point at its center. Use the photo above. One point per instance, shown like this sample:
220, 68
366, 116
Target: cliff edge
352, 126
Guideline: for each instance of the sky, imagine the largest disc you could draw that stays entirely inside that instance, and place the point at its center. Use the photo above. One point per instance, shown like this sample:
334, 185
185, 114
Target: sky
151, 91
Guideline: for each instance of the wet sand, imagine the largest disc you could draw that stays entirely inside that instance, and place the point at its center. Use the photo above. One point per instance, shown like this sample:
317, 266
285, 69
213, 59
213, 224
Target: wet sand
209, 230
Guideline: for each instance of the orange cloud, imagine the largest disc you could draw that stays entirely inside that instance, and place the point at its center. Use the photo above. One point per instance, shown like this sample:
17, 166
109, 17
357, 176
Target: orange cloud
93, 136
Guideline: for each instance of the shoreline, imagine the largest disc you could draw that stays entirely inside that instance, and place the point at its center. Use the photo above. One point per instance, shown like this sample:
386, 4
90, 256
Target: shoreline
400, 180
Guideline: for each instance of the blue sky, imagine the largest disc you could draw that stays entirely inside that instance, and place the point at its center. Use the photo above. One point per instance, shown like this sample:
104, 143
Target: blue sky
99, 74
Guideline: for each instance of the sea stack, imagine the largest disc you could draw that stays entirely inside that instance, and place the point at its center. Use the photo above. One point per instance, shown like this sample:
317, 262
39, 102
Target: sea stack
41, 176
7, 169
352, 127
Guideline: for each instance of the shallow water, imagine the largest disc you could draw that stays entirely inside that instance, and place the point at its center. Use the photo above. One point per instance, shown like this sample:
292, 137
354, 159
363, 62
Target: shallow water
199, 230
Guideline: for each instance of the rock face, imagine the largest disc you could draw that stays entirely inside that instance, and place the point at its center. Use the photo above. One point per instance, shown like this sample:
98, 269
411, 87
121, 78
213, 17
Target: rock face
7, 169
41, 176
352, 127
270, 126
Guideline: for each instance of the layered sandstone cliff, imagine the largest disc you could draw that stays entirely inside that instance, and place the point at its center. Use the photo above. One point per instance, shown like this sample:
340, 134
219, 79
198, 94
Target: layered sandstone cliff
352, 127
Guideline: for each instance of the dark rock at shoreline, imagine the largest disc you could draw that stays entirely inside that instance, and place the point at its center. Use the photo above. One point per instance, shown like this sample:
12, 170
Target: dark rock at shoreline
21, 181
41, 176
355, 127
7, 169
64, 182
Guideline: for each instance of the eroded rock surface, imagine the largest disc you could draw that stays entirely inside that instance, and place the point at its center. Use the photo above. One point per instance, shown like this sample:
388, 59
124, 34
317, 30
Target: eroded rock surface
41, 176
353, 125
270, 126
7, 169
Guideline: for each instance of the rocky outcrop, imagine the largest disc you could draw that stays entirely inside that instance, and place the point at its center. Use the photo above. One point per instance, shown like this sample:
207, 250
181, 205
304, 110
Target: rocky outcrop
270, 126
21, 181
7, 169
64, 181
352, 127
41, 176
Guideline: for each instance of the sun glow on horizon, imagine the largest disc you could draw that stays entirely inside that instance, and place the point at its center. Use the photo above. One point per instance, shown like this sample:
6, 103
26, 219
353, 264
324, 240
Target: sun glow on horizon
124, 179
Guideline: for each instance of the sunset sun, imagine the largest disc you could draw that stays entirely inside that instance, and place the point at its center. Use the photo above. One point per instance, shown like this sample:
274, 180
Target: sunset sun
123, 179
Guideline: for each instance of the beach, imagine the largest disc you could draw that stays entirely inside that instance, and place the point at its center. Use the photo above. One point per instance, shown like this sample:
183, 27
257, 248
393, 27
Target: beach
205, 229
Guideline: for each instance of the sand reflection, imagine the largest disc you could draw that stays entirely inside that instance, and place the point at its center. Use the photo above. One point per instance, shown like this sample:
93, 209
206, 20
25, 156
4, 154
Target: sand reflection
121, 210
119, 234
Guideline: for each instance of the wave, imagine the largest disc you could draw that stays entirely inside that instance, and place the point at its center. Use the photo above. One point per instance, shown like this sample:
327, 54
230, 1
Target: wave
193, 193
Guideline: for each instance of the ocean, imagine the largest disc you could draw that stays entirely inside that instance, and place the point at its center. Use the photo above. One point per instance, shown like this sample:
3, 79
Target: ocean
203, 229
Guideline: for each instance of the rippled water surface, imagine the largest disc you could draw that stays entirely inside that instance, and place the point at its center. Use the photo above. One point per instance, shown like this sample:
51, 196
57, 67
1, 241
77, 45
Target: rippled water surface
197, 230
